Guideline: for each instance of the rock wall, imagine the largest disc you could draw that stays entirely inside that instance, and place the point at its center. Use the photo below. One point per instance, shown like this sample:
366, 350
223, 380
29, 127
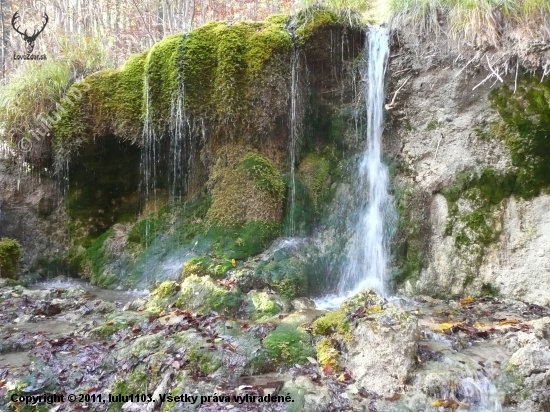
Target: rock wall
474, 210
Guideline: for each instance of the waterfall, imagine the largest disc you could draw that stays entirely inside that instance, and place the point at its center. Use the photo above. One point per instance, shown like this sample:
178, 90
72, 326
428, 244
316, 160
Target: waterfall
367, 250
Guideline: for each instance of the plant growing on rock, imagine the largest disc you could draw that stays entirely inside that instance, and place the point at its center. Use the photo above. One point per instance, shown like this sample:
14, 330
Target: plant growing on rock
10, 253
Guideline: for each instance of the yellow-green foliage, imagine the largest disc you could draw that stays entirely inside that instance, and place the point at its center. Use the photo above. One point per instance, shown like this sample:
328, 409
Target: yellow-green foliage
288, 345
220, 62
162, 73
333, 322
206, 266
10, 253
314, 171
246, 187
327, 354
111, 103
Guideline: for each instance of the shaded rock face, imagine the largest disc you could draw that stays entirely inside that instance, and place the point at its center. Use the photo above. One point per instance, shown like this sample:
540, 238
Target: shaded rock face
31, 211
473, 212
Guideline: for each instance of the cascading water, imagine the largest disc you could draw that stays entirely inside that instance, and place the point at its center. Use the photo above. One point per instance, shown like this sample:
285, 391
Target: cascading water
367, 253
367, 250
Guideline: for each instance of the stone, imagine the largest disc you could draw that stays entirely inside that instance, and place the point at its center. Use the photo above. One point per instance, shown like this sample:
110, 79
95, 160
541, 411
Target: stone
381, 355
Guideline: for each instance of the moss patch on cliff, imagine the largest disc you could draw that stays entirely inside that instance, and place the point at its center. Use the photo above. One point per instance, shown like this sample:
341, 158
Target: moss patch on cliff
475, 202
526, 115
10, 253
221, 62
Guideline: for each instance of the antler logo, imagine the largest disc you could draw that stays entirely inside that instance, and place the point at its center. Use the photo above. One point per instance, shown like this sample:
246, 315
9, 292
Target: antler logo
29, 39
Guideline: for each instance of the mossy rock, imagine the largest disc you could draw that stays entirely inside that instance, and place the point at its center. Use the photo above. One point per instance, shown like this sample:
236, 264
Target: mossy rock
207, 266
327, 354
10, 254
288, 345
314, 172
331, 323
245, 187
261, 304
196, 294
285, 274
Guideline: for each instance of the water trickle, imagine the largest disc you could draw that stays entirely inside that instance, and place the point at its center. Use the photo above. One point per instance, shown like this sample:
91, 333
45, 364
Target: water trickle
294, 125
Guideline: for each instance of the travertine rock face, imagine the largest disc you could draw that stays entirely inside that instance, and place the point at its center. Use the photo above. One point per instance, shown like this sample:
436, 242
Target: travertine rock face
443, 126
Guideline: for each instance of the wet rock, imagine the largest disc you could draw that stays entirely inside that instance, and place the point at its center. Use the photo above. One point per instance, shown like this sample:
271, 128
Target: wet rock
303, 304
260, 304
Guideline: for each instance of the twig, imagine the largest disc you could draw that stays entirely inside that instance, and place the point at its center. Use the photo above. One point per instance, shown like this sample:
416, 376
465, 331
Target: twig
144, 22
494, 72
467, 64
389, 106
483, 81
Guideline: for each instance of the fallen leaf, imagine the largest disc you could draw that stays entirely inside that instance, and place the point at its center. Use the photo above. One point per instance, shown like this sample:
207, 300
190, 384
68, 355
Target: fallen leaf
466, 301
508, 322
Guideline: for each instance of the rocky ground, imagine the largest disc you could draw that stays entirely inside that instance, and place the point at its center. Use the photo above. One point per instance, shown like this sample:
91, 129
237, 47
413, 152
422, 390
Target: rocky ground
370, 355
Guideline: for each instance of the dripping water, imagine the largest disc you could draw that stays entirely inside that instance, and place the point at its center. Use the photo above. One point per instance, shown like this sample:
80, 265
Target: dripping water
294, 134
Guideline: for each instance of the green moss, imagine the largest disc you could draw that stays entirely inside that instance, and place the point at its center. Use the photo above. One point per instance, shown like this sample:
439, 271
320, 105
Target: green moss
111, 104
285, 274
10, 253
261, 304
96, 256
107, 330
478, 228
310, 23
221, 61
433, 125
166, 289
203, 295
409, 246
314, 171
246, 187
200, 361
490, 290
288, 345
266, 175
206, 266
526, 116
163, 77
331, 323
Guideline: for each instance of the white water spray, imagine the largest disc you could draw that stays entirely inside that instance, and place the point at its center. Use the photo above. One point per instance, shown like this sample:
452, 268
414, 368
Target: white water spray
367, 250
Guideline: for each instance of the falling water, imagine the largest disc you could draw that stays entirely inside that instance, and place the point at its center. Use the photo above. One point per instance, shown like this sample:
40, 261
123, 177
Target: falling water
367, 254
367, 250
294, 132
